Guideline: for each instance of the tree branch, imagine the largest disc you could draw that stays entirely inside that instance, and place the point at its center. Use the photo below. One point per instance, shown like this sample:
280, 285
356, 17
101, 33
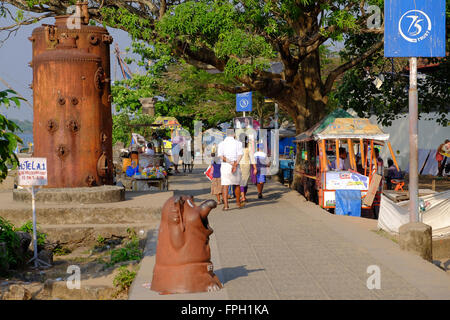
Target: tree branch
348, 65
27, 22
222, 87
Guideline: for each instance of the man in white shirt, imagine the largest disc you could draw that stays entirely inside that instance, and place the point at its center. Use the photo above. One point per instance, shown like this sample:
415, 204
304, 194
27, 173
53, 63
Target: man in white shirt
230, 152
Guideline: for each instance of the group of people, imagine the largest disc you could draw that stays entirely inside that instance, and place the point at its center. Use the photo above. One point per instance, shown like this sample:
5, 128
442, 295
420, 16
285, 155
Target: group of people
344, 162
392, 173
154, 146
179, 144
233, 165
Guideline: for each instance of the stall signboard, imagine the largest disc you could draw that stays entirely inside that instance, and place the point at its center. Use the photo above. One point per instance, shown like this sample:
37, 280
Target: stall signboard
414, 28
32, 172
346, 180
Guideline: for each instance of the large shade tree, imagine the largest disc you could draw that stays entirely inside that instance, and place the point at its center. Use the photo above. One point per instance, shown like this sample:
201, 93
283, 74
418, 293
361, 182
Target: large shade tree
182, 90
242, 39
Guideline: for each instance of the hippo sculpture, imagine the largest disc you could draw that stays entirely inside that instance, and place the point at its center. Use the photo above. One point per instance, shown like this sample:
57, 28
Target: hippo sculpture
183, 256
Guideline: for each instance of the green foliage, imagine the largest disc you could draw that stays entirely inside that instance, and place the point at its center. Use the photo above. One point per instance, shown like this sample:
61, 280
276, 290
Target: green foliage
136, 26
246, 35
124, 278
131, 251
219, 26
8, 138
100, 240
358, 91
24, 125
32, 3
182, 92
241, 38
40, 236
390, 101
122, 131
61, 251
11, 239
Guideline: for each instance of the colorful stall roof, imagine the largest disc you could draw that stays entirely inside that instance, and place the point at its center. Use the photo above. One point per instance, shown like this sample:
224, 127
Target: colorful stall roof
321, 125
167, 122
341, 125
352, 128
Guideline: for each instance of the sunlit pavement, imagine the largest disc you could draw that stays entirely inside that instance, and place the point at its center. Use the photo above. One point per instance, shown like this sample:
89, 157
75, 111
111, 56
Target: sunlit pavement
283, 247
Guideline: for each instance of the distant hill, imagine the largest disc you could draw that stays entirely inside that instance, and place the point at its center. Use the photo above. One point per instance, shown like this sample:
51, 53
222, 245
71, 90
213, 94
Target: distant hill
25, 125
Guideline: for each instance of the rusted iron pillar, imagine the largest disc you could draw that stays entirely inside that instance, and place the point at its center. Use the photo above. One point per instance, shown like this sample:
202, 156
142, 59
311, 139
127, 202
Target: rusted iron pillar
413, 143
72, 124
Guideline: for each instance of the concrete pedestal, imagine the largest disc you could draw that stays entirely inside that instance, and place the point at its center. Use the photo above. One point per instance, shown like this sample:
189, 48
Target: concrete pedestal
416, 237
101, 194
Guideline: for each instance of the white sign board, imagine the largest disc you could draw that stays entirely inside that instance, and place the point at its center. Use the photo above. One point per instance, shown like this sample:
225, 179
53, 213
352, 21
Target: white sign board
32, 172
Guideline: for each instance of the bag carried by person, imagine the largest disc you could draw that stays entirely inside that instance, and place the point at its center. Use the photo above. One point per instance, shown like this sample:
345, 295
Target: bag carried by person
208, 173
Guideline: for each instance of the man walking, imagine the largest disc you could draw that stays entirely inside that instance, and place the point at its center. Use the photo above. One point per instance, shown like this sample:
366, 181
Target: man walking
262, 163
230, 151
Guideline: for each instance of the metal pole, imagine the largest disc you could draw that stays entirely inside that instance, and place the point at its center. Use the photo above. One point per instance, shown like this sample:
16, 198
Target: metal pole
276, 115
33, 206
413, 142
37, 261
276, 140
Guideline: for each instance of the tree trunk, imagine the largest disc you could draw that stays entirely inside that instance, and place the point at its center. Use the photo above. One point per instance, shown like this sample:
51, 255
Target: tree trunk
302, 124
305, 102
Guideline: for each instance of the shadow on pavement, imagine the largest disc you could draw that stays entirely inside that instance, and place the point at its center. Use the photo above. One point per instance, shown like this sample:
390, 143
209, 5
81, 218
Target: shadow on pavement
151, 242
192, 192
233, 273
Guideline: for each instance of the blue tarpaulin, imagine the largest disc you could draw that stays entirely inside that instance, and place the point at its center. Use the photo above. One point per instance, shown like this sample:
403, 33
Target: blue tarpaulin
286, 142
348, 203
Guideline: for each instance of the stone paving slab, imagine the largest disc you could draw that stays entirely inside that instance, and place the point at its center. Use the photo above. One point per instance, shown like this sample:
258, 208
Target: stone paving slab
283, 247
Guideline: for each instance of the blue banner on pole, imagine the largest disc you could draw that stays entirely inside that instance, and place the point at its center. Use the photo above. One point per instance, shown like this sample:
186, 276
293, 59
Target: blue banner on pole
244, 102
414, 28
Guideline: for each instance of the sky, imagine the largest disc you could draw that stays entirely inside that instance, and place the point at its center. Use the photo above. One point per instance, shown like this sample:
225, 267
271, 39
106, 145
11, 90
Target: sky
16, 52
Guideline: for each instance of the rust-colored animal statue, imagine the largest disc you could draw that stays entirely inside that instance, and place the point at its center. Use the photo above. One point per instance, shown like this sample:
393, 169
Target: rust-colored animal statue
183, 256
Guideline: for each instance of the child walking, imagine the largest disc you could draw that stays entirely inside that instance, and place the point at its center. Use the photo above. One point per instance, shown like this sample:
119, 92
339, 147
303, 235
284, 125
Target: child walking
216, 186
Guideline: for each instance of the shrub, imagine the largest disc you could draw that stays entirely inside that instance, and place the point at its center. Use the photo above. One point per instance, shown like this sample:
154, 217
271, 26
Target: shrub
11, 239
130, 252
124, 278
61, 251
40, 236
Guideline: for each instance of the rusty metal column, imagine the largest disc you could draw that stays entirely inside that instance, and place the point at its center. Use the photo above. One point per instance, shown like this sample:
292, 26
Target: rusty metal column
413, 143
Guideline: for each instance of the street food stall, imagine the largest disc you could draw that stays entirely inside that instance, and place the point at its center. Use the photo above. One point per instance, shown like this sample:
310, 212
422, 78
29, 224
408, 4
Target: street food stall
142, 171
326, 175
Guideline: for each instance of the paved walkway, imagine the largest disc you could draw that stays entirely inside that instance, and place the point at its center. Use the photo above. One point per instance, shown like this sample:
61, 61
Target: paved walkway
283, 247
